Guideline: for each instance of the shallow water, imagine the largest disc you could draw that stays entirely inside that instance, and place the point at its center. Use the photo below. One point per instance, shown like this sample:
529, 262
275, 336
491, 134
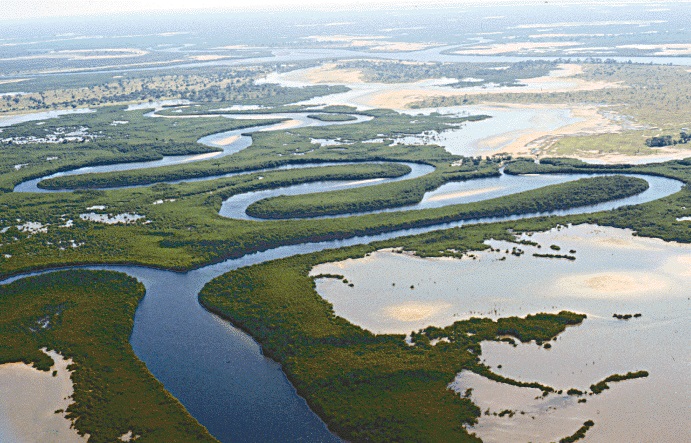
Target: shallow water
242, 142
615, 272
449, 193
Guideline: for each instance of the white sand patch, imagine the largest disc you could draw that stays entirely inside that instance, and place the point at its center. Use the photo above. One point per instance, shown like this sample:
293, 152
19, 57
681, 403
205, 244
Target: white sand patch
415, 311
460, 194
593, 23
226, 141
208, 58
503, 48
679, 265
289, 124
329, 73
373, 42
615, 284
201, 157
684, 219
30, 398
13, 80
84, 54
96, 208
363, 182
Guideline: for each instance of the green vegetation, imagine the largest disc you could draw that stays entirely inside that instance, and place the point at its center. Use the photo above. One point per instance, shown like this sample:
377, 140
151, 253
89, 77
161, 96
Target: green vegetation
579, 434
223, 85
87, 316
111, 135
646, 100
278, 148
188, 231
567, 257
601, 386
333, 117
466, 74
354, 200
366, 387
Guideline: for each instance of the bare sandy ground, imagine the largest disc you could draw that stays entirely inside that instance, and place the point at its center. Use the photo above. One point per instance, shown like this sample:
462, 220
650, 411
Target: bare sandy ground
328, 73
402, 98
14, 80
503, 48
85, 54
30, 398
288, 124
202, 157
372, 42
615, 284
208, 58
459, 194
228, 140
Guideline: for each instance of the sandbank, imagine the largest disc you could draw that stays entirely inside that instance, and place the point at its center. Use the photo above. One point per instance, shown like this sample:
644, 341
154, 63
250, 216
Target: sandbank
30, 399
615, 284
460, 194
415, 311
281, 126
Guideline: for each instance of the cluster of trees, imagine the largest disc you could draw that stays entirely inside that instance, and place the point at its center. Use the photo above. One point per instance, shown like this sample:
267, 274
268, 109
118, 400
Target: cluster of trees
667, 140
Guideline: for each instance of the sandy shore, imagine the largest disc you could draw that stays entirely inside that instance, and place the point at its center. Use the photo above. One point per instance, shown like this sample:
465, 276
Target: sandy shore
503, 48
226, 141
288, 124
460, 194
30, 398
202, 157
525, 142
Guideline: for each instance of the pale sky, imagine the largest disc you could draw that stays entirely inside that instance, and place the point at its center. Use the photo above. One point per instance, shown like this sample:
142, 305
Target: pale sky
17, 9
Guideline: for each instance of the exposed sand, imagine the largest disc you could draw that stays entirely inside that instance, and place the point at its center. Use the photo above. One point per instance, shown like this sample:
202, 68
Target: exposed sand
524, 142
615, 284
85, 54
203, 156
372, 42
415, 311
328, 73
281, 126
30, 398
503, 48
208, 58
226, 141
460, 194
402, 98
14, 80
680, 265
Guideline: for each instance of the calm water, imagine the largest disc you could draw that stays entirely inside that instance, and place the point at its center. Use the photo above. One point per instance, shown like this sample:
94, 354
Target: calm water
615, 272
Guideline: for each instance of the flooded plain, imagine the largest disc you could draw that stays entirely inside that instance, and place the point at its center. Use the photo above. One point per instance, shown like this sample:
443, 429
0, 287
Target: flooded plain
614, 272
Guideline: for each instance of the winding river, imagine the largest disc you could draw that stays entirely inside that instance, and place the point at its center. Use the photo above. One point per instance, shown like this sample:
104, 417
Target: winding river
218, 372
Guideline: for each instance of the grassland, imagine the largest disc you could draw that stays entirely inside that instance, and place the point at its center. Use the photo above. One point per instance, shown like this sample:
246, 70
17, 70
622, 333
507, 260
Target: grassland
88, 317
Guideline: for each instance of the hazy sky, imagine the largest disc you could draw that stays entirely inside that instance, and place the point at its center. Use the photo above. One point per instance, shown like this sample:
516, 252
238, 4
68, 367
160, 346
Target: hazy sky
15, 9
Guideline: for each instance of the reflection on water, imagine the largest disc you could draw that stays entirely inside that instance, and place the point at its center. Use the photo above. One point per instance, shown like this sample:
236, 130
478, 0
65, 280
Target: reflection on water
614, 272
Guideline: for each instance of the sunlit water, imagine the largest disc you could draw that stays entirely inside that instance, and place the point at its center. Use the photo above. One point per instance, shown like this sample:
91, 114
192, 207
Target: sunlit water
614, 272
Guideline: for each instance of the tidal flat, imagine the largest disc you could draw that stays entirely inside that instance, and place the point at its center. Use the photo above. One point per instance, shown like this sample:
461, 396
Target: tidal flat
614, 272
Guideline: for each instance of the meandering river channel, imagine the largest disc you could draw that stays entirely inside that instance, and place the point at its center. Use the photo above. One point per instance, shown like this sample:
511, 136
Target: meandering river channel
218, 372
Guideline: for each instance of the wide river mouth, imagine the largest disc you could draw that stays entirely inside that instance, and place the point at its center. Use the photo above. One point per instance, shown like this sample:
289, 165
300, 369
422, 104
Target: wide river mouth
218, 372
